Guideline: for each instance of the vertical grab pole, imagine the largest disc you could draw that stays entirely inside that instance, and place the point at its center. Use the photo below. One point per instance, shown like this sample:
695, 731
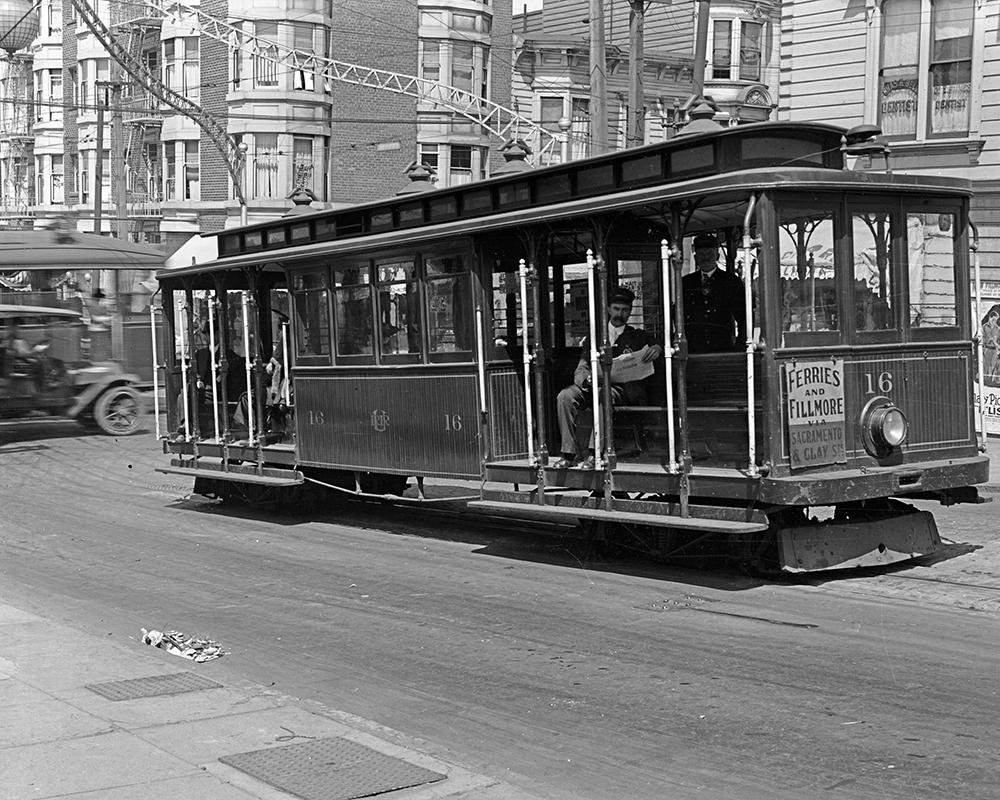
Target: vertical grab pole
522, 270
751, 346
594, 357
286, 389
246, 350
668, 356
981, 405
215, 373
481, 370
186, 310
156, 367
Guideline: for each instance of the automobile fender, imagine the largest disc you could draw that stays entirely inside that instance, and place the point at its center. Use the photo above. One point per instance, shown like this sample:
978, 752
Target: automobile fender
87, 397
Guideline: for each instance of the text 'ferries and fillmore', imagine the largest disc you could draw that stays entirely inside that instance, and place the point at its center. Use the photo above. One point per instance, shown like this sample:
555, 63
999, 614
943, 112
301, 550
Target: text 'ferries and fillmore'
802, 331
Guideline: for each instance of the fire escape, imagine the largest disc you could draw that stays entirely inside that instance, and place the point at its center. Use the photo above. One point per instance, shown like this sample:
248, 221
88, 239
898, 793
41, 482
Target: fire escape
17, 188
138, 34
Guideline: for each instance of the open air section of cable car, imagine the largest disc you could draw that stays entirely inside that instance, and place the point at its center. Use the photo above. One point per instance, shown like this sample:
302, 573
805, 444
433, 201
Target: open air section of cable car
432, 336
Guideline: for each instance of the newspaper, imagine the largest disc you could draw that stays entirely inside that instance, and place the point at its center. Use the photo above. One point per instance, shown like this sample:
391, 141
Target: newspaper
630, 367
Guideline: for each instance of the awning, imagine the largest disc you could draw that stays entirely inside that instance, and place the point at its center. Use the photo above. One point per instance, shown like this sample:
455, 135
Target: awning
196, 250
61, 249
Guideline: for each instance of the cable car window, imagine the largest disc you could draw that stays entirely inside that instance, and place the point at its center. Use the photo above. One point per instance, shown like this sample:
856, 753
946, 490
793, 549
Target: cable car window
507, 312
399, 307
449, 321
576, 320
312, 318
808, 272
931, 257
872, 284
643, 277
352, 306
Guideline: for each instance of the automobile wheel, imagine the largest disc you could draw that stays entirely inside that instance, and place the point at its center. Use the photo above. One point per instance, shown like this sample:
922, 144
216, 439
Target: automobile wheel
118, 411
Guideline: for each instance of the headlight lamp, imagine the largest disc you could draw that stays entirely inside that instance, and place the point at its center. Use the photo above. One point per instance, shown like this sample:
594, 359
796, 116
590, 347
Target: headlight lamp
883, 427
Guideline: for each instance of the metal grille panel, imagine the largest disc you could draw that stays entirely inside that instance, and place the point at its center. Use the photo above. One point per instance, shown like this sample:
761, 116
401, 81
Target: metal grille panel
330, 769
507, 421
154, 686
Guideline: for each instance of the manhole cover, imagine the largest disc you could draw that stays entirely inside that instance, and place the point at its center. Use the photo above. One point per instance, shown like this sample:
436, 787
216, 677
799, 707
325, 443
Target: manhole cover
330, 769
154, 686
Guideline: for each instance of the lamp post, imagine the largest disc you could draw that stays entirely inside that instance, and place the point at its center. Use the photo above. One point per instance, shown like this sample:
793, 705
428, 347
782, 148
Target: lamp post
241, 171
565, 123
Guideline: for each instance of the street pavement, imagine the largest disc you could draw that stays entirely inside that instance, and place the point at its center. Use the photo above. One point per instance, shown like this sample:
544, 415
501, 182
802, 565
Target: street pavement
94, 719
67, 732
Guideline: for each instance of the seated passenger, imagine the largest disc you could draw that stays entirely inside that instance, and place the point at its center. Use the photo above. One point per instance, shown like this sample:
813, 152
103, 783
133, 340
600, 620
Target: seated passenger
27, 360
624, 339
714, 311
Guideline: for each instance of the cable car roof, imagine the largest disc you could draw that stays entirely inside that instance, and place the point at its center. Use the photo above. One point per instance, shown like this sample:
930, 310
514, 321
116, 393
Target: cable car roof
735, 185
62, 249
13, 311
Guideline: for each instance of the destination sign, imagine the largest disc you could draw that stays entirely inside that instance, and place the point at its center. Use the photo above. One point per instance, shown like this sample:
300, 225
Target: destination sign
815, 408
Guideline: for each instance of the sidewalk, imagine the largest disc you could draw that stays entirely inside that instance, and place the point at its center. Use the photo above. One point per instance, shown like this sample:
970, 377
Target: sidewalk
993, 451
95, 720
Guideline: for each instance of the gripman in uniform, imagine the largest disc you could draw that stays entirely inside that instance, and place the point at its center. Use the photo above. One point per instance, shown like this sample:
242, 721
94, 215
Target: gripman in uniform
714, 318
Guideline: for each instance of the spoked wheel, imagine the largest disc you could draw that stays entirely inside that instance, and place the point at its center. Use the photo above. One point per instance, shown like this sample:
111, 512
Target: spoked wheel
118, 411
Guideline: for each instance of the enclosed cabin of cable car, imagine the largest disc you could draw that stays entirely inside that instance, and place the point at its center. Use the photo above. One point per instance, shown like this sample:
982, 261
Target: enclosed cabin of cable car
227, 361
434, 335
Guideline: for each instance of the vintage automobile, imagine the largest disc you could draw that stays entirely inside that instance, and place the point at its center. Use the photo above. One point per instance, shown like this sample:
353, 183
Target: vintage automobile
45, 371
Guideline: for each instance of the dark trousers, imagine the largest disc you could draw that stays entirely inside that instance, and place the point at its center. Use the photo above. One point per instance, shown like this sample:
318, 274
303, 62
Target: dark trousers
568, 404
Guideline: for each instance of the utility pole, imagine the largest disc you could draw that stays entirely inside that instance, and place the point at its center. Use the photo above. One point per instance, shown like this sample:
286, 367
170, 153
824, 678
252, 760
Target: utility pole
118, 191
118, 162
701, 48
598, 81
102, 102
635, 135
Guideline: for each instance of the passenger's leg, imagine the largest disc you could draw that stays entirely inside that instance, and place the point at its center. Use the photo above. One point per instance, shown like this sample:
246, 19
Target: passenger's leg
617, 398
568, 404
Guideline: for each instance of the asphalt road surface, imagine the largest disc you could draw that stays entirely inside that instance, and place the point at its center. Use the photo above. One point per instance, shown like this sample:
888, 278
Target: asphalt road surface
512, 654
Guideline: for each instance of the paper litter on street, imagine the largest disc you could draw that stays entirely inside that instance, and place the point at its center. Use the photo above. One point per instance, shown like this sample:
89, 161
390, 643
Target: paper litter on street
191, 647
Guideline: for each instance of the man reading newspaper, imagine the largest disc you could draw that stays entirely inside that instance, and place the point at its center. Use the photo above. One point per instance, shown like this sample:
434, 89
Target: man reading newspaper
634, 352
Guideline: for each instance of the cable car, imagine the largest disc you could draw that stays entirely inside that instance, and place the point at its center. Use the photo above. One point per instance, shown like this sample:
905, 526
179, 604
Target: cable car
432, 335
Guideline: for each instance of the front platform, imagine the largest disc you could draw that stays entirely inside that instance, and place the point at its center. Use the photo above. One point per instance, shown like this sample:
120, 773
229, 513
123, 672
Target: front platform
816, 488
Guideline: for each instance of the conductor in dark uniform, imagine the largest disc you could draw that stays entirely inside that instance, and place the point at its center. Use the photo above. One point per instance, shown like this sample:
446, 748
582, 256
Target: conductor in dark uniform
714, 318
624, 339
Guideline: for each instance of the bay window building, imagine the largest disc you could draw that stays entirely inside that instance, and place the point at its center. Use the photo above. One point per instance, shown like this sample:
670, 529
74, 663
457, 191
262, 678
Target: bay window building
926, 72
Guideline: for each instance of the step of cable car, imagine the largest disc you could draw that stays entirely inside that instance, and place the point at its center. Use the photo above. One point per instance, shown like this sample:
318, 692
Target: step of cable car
244, 473
566, 507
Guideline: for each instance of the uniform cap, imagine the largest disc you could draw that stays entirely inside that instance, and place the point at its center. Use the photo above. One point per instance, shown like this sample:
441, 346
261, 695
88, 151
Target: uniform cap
621, 294
706, 240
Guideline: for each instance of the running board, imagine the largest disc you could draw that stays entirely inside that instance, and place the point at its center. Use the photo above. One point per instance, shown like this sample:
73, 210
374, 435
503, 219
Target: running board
242, 473
548, 512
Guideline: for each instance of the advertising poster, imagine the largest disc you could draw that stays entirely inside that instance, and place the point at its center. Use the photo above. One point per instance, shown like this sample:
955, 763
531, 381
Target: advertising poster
815, 407
990, 322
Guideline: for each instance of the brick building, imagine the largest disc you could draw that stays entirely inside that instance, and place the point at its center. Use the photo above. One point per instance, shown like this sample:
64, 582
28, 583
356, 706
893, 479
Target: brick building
271, 120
